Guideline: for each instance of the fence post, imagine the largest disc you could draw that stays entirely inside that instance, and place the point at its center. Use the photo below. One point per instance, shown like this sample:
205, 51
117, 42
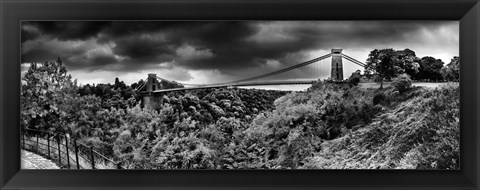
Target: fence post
76, 152
37, 144
48, 144
59, 153
91, 155
68, 155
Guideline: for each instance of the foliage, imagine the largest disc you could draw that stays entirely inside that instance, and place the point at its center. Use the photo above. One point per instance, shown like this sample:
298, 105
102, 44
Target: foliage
46, 88
451, 71
402, 83
354, 79
388, 63
117, 95
380, 98
421, 132
430, 69
301, 121
187, 152
409, 62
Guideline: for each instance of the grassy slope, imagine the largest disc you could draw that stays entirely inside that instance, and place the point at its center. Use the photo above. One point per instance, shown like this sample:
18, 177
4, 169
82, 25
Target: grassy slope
416, 130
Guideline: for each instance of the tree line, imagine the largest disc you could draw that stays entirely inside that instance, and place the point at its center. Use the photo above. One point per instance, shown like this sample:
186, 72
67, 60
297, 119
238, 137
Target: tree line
386, 64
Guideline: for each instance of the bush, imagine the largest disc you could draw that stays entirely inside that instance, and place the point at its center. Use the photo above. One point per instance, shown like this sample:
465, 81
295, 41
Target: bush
379, 98
354, 79
402, 83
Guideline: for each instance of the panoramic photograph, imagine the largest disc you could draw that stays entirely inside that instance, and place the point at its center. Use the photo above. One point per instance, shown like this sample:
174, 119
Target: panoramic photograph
157, 95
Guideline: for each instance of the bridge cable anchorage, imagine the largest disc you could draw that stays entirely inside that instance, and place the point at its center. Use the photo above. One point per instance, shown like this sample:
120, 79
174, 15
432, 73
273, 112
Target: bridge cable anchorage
278, 71
353, 60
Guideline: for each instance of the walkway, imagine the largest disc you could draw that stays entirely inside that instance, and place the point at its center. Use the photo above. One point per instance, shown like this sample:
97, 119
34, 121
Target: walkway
31, 160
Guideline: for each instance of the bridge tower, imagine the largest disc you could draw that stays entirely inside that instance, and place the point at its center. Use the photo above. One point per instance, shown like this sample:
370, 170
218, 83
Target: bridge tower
152, 83
337, 65
150, 99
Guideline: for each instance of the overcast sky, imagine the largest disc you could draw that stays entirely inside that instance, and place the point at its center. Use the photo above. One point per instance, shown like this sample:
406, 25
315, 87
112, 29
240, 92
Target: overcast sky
216, 51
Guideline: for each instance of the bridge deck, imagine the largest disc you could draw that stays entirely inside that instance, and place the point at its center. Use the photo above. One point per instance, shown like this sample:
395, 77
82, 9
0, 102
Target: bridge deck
263, 83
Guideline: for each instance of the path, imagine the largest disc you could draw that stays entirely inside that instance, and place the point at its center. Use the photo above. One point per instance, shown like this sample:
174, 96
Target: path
31, 160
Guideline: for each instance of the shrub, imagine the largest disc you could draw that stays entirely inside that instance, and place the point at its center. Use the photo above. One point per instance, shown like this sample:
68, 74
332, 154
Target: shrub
354, 79
402, 83
379, 98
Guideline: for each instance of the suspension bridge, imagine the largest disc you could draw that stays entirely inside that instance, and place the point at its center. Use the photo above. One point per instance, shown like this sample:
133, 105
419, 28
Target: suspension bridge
152, 89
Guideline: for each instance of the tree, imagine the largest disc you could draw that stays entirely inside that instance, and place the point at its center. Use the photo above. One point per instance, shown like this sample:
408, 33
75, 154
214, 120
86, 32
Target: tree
430, 68
85, 90
384, 64
402, 83
451, 71
46, 88
409, 62
81, 115
354, 79
119, 84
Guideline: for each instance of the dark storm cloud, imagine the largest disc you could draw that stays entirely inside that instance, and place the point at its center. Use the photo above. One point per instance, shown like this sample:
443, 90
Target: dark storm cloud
40, 51
38, 55
246, 45
28, 32
225, 39
93, 62
232, 48
66, 30
127, 28
142, 46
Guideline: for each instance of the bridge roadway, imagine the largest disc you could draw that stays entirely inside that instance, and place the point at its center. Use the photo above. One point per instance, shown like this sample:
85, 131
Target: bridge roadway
260, 83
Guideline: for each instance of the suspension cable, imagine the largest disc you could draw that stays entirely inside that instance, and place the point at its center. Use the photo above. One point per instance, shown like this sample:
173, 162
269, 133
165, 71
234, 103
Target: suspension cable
260, 76
281, 70
353, 60
141, 86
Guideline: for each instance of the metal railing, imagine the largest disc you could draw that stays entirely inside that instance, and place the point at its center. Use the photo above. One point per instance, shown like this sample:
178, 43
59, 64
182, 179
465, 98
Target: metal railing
68, 153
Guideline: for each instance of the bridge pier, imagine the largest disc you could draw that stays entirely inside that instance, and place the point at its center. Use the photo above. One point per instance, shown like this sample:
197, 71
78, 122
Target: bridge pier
152, 101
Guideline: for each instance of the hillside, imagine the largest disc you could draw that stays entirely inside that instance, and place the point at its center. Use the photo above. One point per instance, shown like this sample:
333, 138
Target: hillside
415, 130
330, 126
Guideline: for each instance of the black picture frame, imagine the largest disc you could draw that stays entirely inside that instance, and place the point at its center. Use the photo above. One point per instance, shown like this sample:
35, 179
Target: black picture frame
13, 11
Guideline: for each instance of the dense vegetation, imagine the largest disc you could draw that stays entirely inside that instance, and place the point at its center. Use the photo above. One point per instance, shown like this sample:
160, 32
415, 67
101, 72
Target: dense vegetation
417, 129
386, 64
328, 126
